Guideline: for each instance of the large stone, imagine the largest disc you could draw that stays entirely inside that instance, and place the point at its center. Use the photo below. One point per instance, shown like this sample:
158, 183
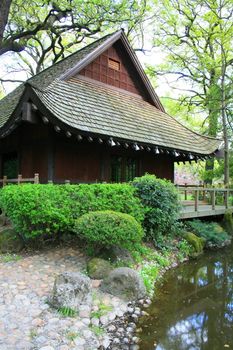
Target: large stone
228, 221
117, 255
98, 268
125, 283
70, 290
10, 241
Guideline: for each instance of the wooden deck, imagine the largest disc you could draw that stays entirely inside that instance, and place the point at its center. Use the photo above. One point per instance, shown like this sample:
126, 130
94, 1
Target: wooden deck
188, 212
204, 203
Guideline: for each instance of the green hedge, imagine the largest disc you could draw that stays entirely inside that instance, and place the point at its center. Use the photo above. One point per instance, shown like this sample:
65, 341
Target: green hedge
50, 209
109, 228
160, 200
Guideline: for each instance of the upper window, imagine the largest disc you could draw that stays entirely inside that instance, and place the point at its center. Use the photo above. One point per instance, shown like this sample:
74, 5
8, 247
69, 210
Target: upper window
114, 64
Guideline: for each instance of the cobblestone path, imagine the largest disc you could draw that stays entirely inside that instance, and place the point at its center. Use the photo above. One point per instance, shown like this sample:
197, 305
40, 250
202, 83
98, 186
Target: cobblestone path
26, 321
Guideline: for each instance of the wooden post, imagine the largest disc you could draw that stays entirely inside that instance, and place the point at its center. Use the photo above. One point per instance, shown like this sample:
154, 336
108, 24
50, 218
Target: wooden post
4, 183
19, 179
213, 199
185, 192
226, 196
36, 178
196, 199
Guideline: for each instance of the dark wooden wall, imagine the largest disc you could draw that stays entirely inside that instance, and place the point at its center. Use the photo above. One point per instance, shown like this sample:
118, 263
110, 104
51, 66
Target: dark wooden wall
55, 157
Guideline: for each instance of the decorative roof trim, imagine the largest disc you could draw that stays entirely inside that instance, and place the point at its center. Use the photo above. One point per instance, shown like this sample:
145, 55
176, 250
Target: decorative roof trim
119, 35
91, 56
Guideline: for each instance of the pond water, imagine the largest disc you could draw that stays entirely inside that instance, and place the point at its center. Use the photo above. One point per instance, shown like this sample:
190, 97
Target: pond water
193, 306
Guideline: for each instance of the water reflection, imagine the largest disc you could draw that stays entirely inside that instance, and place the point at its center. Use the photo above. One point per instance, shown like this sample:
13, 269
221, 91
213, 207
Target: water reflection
193, 308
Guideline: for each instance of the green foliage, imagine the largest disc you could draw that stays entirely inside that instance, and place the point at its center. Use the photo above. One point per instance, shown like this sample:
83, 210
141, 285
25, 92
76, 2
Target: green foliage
212, 232
149, 272
107, 228
103, 310
9, 257
98, 331
184, 250
67, 311
40, 210
160, 199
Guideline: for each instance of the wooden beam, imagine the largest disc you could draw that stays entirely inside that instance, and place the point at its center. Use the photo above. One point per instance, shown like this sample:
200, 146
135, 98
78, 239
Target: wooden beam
51, 156
28, 114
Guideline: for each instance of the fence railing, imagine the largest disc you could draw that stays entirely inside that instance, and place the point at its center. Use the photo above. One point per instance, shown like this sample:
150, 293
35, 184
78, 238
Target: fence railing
205, 196
19, 180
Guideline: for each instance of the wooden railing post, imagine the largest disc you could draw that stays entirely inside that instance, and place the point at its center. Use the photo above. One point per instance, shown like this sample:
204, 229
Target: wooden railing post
226, 197
4, 183
36, 178
196, 199
185, 192
213, 199
19, 179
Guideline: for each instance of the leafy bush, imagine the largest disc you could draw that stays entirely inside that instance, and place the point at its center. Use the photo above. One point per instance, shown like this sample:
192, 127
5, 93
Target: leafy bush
107, 228
39, 210
212, 232
160, 199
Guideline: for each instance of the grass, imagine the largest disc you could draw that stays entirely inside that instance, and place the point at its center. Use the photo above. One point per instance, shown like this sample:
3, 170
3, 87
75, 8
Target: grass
9, 257
103, 309
67, 311
71, 335
98, 331
33, 333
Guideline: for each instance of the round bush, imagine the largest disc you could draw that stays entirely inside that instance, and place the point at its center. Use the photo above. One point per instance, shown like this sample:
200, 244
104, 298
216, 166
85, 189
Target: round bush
160, 199
108, 228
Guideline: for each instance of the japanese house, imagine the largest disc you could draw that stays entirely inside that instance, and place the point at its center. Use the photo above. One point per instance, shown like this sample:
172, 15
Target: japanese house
93, 117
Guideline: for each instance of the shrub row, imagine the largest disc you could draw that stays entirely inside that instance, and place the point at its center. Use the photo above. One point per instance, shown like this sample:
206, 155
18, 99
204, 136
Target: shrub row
49, 209
37, 210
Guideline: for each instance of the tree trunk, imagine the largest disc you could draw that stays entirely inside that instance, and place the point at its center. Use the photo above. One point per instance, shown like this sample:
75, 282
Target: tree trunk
4, 13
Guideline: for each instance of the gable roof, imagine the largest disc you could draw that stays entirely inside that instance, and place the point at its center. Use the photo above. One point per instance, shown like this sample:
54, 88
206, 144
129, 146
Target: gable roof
90, 107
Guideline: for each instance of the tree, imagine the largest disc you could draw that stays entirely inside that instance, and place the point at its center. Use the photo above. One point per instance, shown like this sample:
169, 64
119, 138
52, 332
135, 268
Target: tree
197, 37
38, 33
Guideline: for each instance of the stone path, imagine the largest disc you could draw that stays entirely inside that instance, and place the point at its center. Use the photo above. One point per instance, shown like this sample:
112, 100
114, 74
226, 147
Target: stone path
27, 321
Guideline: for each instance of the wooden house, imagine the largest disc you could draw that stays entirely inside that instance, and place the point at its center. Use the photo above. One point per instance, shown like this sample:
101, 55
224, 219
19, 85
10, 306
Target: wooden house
93, 117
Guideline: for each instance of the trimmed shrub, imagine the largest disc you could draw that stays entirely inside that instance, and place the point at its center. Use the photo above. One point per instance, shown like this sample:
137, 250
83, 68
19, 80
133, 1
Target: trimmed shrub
40, 210
109, 228
160, 199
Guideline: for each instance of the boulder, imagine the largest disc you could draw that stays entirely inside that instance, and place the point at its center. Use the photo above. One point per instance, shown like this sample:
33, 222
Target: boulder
70, 290
124, 282
10, 241
98, 268
196, 242
117, 255
228, 221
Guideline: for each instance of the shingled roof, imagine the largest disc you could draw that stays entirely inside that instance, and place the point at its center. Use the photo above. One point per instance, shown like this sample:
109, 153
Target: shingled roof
90, 107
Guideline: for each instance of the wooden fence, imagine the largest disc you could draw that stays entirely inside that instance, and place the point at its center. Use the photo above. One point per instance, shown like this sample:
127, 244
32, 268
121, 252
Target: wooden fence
19, 180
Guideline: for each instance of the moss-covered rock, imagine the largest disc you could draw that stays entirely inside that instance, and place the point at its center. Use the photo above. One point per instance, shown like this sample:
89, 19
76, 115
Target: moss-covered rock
98, 268
228, 221
10, 242
117, 255
196, 242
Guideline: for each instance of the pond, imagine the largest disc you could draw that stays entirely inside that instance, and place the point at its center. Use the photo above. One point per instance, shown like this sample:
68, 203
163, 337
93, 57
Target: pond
193, 306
